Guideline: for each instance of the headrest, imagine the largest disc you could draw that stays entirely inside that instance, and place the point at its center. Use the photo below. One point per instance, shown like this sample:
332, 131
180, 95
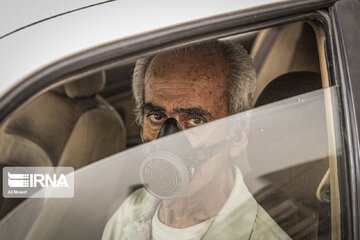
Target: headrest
86, 86
289, 85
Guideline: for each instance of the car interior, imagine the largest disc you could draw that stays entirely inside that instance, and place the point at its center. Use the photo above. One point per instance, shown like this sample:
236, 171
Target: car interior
90, 118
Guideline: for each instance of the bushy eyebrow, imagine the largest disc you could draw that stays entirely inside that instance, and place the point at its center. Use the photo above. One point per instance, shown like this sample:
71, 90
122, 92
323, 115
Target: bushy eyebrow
195, 111
192, 111
152, 107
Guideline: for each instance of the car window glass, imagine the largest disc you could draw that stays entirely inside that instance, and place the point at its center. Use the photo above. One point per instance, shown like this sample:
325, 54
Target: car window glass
280, 155
71, 125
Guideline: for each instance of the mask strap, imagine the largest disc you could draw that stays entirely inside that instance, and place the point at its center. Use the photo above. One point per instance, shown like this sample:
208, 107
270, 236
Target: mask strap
202, 154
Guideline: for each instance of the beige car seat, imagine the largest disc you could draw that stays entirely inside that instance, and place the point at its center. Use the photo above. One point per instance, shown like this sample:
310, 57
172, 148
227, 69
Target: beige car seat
68, 126
291, 197
283, 49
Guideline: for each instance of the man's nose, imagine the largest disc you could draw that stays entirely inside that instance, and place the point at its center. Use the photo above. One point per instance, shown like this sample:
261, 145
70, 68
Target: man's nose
170, 126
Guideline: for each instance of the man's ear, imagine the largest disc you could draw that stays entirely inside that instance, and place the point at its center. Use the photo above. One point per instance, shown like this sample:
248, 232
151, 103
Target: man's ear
238, 144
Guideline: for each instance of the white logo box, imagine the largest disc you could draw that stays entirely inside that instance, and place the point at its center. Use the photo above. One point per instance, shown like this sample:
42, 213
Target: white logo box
38, 182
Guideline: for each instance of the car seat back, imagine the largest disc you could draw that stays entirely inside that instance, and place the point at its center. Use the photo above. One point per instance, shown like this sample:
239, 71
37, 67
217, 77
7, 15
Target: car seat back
290, 198
68, 126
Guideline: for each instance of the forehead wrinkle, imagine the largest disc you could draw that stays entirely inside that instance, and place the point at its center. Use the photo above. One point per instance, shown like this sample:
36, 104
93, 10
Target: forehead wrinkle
171, 94
151, 107
197, 62
166, 88
175, 89
198, 86
176, 81
195, 83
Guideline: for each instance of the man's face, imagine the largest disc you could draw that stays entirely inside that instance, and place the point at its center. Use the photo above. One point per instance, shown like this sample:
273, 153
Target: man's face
189, 87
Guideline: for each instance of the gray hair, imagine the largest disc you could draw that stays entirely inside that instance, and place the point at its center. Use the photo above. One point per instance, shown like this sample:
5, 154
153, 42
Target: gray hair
241, 76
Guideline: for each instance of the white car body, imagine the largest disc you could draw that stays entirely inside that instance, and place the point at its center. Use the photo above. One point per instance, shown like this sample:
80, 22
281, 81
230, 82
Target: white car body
57, 30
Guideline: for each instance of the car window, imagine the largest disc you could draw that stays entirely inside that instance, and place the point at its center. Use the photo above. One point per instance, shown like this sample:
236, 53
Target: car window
282, 155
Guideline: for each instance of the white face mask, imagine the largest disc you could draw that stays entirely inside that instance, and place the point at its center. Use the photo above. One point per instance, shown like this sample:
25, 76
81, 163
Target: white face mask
168, 169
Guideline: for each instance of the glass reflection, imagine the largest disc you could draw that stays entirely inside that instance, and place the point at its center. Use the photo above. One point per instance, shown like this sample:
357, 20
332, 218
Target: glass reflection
254, 172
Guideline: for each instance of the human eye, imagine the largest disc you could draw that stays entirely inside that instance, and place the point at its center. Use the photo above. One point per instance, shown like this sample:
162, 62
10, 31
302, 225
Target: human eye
195, 121
155, 117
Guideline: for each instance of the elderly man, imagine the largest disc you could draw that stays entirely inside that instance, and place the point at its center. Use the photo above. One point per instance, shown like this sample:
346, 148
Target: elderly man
179, 90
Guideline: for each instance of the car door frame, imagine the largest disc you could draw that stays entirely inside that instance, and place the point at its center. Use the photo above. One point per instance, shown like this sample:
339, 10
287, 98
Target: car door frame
108, 53
344, 18
125, 51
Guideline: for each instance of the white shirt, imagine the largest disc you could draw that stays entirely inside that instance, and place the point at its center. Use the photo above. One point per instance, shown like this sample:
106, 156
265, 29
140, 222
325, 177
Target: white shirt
240, 218
160, 231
